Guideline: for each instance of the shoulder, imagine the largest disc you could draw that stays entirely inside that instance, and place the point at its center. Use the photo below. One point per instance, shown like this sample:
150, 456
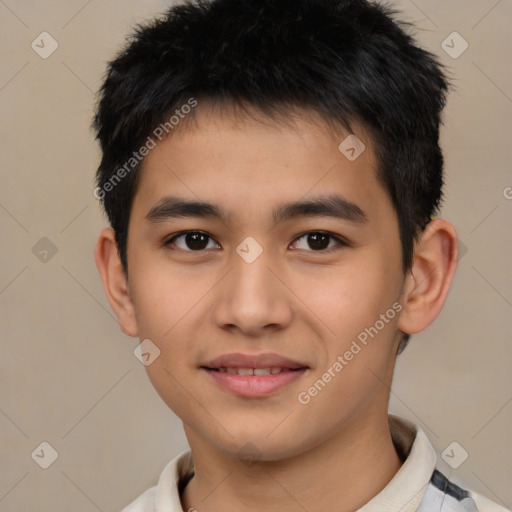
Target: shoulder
166, 495
144, 503
484, 504
443, 495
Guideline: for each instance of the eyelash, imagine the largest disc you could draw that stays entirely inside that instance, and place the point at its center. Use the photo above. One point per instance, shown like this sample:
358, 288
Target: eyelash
340, 241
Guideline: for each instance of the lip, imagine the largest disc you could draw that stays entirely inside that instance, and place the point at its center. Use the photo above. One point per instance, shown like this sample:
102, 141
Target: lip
254, 386
264, 360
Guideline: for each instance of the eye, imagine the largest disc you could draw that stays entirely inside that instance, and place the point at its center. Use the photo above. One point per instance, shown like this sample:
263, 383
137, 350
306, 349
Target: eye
312, 241
191, 241
319, 241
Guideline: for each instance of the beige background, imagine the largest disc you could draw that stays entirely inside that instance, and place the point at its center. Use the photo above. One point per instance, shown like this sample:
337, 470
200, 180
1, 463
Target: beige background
68, 376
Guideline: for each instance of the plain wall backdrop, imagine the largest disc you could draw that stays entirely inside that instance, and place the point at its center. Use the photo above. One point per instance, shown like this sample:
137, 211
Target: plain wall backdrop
68, 376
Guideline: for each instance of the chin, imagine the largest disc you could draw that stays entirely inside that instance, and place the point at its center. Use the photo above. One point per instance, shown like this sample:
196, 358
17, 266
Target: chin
258, 446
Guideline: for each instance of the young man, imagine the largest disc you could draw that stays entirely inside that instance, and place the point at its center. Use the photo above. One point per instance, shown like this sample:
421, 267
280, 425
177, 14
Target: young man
270, 171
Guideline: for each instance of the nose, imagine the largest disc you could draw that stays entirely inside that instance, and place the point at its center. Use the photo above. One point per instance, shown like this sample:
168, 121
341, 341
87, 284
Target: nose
251, 299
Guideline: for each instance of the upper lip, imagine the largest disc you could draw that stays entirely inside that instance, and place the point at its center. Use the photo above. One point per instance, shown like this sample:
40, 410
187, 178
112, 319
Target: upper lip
265, 360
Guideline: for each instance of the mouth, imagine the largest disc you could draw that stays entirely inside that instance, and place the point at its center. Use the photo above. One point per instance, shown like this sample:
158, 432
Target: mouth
253, 376
249, 363
252, 371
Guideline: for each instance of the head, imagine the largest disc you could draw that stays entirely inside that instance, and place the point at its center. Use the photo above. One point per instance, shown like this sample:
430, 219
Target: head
244, 107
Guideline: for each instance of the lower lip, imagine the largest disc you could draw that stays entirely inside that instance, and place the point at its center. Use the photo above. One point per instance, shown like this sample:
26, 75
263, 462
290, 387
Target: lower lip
254, 386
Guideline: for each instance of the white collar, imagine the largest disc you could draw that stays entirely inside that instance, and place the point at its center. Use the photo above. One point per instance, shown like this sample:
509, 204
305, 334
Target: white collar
403, 493
406, 489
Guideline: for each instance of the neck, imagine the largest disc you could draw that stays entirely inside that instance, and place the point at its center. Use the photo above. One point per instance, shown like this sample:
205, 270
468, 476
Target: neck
342, 474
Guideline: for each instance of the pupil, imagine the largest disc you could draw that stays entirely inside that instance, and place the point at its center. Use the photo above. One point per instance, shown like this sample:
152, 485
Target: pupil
196, 240
318, 241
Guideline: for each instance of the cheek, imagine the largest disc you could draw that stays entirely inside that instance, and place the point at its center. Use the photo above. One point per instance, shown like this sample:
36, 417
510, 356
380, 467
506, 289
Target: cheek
169, 307
164, 295
358, 321
346, 299
174, 390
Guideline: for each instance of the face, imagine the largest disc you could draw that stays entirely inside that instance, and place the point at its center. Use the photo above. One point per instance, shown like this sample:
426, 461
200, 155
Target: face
291, 267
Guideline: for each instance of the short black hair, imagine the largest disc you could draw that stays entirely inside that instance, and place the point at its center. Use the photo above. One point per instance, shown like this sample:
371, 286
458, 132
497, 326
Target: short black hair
350, 61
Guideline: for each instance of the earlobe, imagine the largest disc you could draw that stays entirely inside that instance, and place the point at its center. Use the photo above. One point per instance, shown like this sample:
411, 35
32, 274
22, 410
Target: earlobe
428, 282
115, 282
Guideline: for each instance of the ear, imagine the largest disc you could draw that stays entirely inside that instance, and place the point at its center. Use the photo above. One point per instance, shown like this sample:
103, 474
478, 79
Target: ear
115, 281
428, 282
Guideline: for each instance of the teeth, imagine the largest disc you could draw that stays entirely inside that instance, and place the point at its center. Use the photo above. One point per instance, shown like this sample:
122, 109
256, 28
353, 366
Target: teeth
261, 371
250, 371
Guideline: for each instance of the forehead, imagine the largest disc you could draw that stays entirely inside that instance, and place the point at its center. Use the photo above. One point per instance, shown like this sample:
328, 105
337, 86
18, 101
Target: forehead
243, 162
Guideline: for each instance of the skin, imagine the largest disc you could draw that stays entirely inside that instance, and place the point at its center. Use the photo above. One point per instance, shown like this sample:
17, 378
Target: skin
335, 452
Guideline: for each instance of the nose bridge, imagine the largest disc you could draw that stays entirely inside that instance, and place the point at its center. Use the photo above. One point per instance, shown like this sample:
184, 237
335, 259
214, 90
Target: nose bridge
251, 275
251, 279
251, 297
251, 259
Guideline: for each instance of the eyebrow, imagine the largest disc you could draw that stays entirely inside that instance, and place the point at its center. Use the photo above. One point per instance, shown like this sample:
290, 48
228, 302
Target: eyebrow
324, 206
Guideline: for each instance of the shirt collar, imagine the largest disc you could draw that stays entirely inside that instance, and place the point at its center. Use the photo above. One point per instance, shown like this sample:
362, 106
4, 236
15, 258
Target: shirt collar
405, 490
402, 494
